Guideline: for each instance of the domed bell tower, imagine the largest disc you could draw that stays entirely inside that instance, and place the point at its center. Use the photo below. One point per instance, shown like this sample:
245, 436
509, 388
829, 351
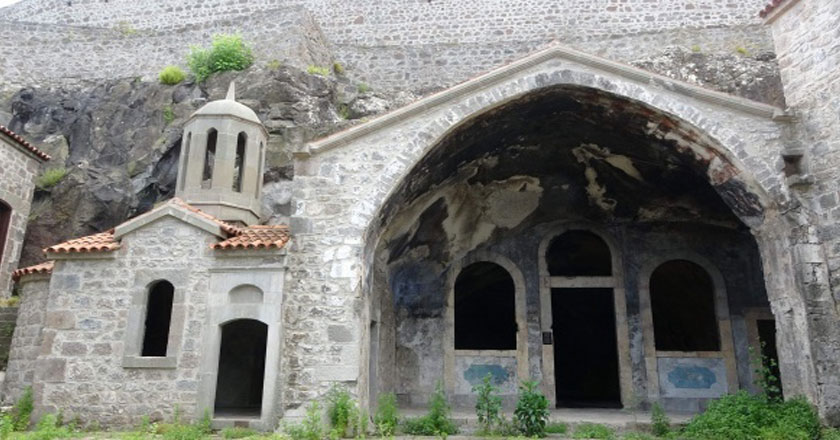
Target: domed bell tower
222, 161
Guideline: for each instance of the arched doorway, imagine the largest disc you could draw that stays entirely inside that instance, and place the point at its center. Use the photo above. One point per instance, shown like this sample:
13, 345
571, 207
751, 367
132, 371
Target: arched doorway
241, 373
583, 312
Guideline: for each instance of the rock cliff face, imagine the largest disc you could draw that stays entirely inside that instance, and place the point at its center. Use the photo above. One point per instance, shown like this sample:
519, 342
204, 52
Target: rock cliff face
120, 140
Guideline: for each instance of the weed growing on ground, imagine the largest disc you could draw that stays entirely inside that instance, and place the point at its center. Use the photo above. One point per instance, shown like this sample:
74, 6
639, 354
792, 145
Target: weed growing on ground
342, 412
387, 416
488, 404
311, 428
593, 431
238, 432
556, 428
531, 413
659, 421
22, 410
436, 421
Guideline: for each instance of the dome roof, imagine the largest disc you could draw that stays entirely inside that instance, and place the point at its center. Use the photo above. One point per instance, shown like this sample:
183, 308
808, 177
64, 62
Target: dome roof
228, 107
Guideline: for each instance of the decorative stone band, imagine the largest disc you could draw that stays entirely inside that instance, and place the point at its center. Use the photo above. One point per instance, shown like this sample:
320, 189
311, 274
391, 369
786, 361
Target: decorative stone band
23, 143
44, 268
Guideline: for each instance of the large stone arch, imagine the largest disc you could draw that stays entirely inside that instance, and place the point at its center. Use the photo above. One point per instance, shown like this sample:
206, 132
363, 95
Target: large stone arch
738, 144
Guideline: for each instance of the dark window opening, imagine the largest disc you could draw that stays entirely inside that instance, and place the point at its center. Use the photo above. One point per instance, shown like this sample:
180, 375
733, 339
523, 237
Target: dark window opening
579, 253
585, 348
770, 357
5, 223
239, 387
186, 159
485, 317
209, 159
259, 178
238, 165
682, 299
158, 317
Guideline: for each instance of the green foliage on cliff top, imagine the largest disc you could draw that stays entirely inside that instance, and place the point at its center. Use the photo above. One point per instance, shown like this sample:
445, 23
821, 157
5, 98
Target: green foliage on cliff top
227, 52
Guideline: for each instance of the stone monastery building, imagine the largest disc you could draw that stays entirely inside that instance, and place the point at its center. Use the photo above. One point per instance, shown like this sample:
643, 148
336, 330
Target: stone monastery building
622, 237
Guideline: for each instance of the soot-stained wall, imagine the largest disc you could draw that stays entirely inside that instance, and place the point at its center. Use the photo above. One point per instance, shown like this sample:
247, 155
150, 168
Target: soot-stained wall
508, 181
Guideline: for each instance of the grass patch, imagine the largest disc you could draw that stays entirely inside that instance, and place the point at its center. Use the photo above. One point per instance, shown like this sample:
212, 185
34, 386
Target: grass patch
168, 115
556, 428
171, 75
593, 431
51, 177
317, 70
226, 53
436, 421
238, 432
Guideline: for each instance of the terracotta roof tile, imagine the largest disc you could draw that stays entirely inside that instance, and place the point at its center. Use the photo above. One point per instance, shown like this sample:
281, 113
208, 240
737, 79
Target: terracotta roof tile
102, 242
256, 237
226, 227
44, 268
24, 143
773, 5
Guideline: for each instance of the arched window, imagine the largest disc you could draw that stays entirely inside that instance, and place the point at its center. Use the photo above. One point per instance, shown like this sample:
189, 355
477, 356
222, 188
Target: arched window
260, 168
209, 159
579, 253
5, 222
682, 299
182, 178
485, 308
239, 163
158, 317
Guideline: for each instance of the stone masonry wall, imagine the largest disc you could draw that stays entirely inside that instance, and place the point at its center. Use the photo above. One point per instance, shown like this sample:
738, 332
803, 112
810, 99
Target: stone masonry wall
8, 317
389, 44
43, 54
807, 39
81, 367
18, 171
27, 336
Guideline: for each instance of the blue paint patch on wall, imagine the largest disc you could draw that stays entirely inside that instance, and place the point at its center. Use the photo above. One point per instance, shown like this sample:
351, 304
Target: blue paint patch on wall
692, 377
476, 372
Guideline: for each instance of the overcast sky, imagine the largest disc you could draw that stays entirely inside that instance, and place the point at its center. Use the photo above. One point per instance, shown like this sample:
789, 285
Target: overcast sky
7, 2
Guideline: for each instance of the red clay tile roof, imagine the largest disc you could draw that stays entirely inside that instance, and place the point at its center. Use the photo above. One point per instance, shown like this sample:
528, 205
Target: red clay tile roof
45, 268
771, 7
24, 143
101, 242
252, 237
256, 237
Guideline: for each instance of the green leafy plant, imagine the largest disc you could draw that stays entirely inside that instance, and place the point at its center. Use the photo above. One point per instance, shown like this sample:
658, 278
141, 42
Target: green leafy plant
593, 431
238, 432
488, 404
227, 53
387, 416
362, 422
556, 428
48, 428
763, 374
659, 422
311, 428
338, 69
51, 177
341, 410
436, 421
317, 70
171, 75
168, 114
22, 410
742, 416
531, 413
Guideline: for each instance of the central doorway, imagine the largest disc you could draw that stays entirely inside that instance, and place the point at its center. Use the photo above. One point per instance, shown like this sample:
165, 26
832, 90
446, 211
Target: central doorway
586, 363
239, 387
585, 350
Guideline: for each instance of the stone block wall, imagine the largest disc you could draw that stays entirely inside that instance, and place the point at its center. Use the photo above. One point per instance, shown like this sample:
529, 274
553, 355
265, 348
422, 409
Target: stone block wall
17, 184
388, 44
807, 40
44, 54
8, 317
27, 336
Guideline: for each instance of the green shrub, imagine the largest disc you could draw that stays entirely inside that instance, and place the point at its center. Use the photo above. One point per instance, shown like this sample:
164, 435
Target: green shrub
830, 434
49, 428
742, 416
531, 413
177, 431
386, 416
660, 424
51, 177
171, 75
238, 432
488, 404
227, 52
168, 114
310, 428
7, 425
436, 421
763, 372
22, 410
363, 88
593, 430
338, 68
341, 410
556, 428
318, 70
